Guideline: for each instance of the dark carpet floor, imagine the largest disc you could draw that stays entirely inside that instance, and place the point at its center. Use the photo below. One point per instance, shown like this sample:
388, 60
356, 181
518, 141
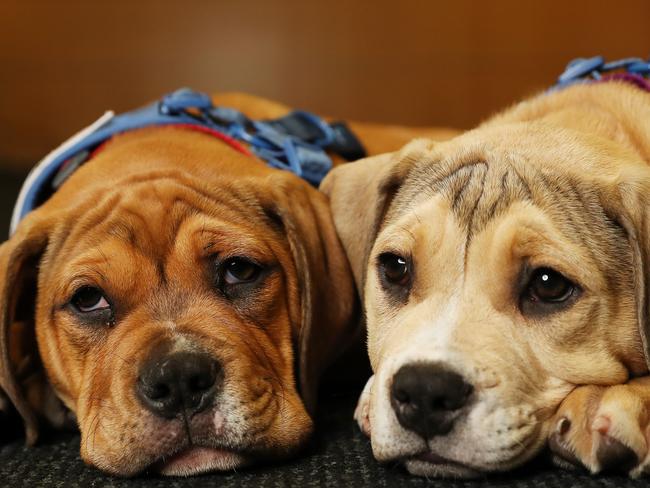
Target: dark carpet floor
339, 456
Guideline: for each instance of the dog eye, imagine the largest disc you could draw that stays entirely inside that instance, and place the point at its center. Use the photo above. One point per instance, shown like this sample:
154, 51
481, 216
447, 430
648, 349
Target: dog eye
240, 270
549, 286
395, 269
89, 299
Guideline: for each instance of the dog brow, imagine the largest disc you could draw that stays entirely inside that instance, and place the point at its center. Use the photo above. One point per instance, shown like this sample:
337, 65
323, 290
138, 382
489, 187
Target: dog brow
123, 232
478, 191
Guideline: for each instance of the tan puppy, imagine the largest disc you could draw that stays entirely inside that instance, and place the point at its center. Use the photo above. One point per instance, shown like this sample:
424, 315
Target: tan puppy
173, 285
499, 272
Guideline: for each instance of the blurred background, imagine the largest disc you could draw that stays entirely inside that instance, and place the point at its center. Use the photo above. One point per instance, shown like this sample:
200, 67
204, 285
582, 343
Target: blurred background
451, 63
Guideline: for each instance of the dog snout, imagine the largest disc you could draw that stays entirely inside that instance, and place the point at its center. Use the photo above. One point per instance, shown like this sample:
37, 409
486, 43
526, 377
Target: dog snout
425, 396
179, 383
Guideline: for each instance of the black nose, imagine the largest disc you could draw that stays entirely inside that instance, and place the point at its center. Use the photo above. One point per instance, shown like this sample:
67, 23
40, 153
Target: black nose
177, 383
425, 396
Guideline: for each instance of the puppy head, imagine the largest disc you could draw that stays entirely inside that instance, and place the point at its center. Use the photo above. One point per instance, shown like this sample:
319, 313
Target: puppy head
500, 270
172, 305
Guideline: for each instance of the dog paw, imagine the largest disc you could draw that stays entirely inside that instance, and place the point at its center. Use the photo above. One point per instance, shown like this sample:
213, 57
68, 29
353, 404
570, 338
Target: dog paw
362, 412
604, 429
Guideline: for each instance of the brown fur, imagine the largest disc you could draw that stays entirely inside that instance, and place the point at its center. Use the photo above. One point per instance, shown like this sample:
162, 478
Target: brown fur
144, 221
559, 181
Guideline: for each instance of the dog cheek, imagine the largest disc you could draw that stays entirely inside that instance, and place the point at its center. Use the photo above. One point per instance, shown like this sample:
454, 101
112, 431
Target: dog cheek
304, 428
291, 426
298, 431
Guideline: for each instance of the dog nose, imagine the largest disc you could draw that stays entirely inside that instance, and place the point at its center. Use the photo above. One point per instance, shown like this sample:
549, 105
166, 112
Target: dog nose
177, 383
424, 397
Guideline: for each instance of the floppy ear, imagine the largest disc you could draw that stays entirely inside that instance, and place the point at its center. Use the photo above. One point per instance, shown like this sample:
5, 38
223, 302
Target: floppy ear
628, 203
19, 258
360, 194
329, 303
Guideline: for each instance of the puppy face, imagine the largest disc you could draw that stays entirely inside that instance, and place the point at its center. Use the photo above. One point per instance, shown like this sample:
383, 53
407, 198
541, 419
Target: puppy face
498, 277
171, 315
130, 297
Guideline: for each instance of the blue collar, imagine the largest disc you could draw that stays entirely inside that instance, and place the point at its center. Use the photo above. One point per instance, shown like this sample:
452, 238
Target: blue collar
296, 142
596, 69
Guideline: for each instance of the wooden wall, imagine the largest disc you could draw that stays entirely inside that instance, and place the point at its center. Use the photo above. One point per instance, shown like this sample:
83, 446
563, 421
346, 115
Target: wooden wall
63, 62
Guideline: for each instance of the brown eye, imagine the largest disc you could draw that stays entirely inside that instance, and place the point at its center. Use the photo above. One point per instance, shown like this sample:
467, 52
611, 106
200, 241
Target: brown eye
395, 268
240, 270
88, 299
547, 285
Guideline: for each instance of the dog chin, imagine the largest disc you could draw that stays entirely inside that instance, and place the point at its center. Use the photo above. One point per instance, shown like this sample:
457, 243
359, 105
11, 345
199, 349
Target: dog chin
197, 460
432, 465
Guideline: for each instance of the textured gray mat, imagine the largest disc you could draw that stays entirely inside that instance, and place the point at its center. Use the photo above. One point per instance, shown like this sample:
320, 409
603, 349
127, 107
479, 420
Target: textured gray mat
340, 456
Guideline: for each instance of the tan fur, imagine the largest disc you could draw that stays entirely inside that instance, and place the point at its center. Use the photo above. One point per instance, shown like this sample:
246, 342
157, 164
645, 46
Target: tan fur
559, 181
144, 220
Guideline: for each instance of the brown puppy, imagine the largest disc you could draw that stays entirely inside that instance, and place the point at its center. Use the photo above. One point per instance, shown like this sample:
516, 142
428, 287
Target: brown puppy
499, 272
172, 285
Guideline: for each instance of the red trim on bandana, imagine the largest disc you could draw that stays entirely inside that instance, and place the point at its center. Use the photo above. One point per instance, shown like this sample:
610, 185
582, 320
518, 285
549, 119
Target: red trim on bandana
219, 135
197, 128
632, 78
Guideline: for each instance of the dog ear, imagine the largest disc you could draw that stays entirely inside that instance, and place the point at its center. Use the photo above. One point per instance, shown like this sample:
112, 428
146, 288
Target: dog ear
19, 259
627, 202
360, 195
328, 300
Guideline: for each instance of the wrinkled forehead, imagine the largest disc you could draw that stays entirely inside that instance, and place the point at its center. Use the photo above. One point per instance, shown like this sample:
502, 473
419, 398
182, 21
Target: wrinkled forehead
480, 191
479, 196
475, 192
157, 218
